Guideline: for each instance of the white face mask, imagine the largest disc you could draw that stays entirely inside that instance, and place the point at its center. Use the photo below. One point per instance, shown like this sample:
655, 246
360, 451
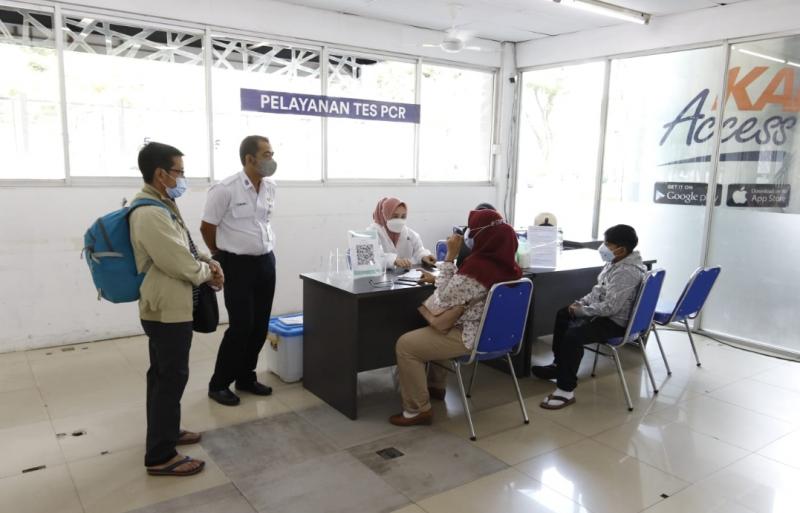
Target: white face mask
469, 236
469, 242
606, 254
395, 225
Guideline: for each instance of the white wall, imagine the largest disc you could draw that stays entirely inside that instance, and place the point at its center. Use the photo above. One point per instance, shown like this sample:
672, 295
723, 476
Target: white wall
47, 294
751, 18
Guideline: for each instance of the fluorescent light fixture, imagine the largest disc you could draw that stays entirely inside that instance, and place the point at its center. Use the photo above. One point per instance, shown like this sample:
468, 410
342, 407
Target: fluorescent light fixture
607, 9
761, 55
795, 64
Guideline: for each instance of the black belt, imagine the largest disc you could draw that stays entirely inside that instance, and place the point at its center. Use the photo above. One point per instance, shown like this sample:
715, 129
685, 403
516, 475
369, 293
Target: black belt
228, 253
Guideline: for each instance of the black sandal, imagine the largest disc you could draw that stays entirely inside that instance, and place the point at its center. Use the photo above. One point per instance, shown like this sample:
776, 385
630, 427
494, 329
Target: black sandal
564, 402
170, 470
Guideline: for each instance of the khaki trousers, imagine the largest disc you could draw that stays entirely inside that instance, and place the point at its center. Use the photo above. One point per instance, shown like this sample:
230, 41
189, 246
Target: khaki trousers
414, 349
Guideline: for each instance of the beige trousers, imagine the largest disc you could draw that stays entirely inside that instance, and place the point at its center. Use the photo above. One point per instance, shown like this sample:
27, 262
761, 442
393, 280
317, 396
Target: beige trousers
414, 349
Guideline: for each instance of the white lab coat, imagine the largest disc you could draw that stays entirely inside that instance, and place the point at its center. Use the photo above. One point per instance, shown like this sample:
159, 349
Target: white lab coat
409, 245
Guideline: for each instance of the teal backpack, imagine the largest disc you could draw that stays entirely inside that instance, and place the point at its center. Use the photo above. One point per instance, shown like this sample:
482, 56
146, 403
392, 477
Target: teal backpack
109, 254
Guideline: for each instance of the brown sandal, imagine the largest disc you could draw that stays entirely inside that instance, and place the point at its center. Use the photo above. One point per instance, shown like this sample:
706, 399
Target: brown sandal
188, 438
564, 402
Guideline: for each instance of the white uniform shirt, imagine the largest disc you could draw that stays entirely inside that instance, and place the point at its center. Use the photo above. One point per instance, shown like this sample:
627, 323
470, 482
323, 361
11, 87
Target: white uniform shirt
409, 245
241, 215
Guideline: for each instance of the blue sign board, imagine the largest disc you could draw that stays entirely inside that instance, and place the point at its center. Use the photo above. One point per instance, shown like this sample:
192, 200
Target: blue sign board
277, 102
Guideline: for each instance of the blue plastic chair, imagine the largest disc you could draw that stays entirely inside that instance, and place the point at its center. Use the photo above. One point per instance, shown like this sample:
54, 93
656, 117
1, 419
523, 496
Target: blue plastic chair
441, 250
638, 329
687, 307
500, 333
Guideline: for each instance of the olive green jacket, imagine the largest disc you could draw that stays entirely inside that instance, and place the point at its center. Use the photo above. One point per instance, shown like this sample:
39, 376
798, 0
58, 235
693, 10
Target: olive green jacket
161, 248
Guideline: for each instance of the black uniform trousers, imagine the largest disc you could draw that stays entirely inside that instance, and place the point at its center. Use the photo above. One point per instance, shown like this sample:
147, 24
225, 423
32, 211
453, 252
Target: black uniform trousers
249, 290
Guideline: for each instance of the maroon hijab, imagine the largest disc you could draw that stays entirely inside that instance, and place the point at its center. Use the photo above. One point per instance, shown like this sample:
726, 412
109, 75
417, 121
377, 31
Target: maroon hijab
492, 259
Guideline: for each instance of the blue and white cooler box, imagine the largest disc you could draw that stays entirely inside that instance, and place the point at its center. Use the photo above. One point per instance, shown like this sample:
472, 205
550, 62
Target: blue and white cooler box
285, 348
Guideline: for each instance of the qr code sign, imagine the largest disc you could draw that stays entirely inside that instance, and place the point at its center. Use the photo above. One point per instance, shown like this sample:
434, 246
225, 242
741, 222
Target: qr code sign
365, 254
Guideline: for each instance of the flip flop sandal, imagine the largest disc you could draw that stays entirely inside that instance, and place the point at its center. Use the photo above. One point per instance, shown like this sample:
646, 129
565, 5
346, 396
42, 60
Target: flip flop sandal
564, 402
188, 438
170, 470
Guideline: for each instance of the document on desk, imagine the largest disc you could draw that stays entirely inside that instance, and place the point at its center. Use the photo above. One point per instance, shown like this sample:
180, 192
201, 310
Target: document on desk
543, 241
411, 274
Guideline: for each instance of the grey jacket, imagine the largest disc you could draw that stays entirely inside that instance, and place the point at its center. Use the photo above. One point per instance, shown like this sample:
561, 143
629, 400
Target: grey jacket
615, 292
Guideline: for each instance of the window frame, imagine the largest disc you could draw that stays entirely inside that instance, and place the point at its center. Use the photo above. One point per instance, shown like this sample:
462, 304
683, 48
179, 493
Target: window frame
207, 32
54, 11
387, 56
494, 129
608, 60
251, 37
143, 22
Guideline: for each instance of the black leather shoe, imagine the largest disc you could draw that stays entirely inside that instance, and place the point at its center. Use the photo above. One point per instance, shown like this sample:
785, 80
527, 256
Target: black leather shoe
255, 388
225, 397
544, 371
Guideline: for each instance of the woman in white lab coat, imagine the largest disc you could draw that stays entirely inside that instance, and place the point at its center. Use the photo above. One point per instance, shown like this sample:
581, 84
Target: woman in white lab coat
402, 246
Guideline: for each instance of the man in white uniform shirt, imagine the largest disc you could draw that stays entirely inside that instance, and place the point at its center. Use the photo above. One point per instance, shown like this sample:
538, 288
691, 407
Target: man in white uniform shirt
236, 229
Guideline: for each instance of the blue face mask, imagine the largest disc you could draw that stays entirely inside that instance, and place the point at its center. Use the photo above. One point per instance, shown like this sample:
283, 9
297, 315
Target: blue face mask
606, 254
178, 190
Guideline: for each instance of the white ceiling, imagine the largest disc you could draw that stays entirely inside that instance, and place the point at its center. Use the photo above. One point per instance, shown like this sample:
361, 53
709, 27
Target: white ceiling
502, 20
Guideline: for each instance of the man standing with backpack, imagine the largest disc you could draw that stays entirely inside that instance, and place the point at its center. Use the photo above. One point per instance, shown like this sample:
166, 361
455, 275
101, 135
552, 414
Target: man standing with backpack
174, 269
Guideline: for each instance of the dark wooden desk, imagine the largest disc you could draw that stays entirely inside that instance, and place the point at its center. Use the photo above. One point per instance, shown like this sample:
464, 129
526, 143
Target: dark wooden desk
353, 327
350, 328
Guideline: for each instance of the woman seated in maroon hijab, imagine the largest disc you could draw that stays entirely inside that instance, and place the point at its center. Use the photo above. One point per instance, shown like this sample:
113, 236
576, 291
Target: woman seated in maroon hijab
494, 245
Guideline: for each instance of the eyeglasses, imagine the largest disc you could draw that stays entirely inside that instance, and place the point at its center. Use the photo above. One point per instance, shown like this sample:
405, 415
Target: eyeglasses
180, 172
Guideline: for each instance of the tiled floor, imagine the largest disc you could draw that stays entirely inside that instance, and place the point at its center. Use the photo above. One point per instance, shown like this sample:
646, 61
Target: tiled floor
724, 438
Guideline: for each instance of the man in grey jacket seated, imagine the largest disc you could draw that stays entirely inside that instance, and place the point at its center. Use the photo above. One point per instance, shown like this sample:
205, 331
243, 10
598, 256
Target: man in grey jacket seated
598, 316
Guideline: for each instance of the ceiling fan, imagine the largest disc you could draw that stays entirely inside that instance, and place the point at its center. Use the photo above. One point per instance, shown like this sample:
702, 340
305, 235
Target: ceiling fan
454, 40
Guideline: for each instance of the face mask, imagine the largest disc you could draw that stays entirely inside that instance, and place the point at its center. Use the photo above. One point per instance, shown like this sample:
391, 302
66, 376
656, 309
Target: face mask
395, 225
267, 167
469, 242
178, 190
606, 254
469, 236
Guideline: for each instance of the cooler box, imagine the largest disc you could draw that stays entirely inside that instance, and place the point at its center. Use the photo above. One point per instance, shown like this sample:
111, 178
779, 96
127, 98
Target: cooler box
285, 347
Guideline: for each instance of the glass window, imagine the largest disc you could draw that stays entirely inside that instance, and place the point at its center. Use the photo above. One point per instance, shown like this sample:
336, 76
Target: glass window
657, 162
455, 124
559, 135
265, 66
365, 148
31, 140
755, 232
129, 85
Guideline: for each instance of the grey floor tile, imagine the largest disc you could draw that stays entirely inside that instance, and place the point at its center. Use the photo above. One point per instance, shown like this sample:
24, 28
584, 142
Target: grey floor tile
224, 498
372, 422
378, 400
378, 387
432, 462
335, 483
248, 448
